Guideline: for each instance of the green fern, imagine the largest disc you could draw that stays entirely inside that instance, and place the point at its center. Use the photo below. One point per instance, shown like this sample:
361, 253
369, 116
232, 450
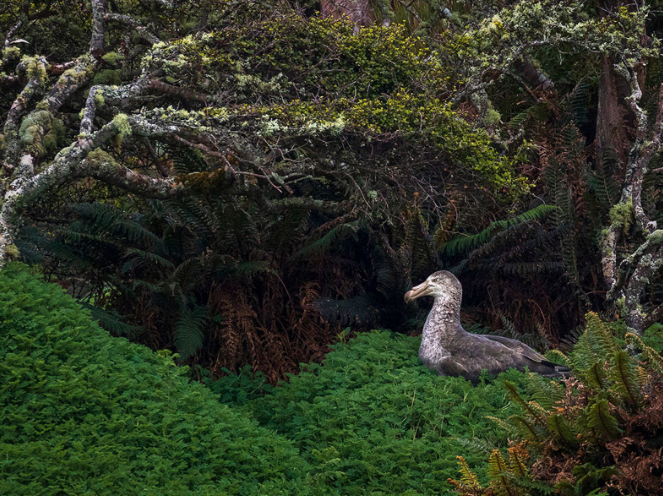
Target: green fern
111, 321
463, 244
596, 375
467, 477
578, 102
189, 331
335, 235
602, 421
515, 396
526, 428
498, 473
562, 430
600, 338
137, 258
545, 392
654, 360
624, 378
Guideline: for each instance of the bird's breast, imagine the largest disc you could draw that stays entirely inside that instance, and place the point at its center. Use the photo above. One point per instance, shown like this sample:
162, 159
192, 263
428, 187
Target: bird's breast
432, 351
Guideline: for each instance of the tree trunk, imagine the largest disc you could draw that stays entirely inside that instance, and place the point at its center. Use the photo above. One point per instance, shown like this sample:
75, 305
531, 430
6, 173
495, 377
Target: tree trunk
611, 137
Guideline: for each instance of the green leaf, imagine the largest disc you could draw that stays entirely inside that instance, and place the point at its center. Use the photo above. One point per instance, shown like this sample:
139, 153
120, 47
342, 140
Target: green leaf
601, 420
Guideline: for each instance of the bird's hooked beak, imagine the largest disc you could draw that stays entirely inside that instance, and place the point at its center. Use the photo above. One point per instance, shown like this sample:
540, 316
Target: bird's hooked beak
423, 289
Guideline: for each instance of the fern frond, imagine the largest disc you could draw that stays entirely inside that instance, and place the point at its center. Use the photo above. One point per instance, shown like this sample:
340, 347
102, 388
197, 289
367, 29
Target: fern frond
558, 426
138, 258
498, 473
463, 244
595, 375
188, 273
505, 426
515, 396
602, 183
520, 118
602, 421
600, 337
336, 234
559, 357
625, 381
110, 320
478, 445
545, 392
525, 428
578, 102
653, 359
517, 457
467, 477
189, 331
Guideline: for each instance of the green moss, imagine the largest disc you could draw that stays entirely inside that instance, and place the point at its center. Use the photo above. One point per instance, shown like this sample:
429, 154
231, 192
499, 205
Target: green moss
99, 98
34, 129
123, 126
35, 69
620, 304
656, 237
11, 53
12, 251
492, 118
621, 215
79, 73
54, 138
108, 76
421, 119
113, 58
99, 157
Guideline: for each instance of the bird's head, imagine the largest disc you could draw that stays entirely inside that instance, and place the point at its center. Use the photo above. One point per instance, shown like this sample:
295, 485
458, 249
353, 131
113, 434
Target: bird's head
439, 284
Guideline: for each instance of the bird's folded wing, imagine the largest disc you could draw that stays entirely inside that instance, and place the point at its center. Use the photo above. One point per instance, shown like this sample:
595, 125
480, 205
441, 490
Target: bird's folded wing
515, 345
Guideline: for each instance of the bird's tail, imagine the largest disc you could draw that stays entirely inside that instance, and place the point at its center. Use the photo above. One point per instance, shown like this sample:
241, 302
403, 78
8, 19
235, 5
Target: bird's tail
557, 369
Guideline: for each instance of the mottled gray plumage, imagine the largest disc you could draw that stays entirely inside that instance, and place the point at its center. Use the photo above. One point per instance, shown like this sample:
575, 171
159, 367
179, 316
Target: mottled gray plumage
450, 350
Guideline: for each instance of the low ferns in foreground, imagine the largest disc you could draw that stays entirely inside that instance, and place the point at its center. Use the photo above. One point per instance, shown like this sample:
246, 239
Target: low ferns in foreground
83, 413
371, 420
598, 432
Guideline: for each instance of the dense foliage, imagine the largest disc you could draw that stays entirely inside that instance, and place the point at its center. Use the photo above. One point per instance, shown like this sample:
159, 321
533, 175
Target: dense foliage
84, 413
599, 430
239, 181
372, 419
307, 153
293, 173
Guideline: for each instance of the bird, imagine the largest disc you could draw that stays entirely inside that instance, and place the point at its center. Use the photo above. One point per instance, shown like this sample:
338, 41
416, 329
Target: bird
450, 350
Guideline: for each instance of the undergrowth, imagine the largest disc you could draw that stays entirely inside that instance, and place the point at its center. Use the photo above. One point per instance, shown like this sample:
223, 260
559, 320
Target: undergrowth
82, 412
372, 420
599, 432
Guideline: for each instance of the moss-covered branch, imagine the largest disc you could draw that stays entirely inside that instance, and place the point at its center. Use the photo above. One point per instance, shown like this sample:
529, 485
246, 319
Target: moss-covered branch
627, 283
35, 68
